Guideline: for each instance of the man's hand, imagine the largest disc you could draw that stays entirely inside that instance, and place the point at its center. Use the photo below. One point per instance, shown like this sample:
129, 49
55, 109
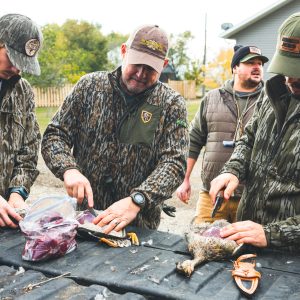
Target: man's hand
183, 192
246, 232
227, 182
78, 186
118, 215
16, 201
7, 210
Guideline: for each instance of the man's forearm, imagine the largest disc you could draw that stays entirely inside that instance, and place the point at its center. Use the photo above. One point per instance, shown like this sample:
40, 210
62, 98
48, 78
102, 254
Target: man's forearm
190, 166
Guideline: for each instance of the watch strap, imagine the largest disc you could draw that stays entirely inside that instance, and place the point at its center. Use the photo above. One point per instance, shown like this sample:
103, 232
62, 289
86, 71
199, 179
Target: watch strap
133, 197
19, 190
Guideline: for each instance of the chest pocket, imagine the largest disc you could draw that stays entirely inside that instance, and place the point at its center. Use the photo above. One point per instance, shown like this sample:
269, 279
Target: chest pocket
140, 126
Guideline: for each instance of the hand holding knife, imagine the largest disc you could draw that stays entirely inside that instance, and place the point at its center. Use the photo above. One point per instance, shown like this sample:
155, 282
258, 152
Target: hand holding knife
218, 203
90, 209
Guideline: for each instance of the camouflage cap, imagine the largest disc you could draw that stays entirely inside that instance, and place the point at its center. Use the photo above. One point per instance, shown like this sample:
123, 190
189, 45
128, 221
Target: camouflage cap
148, 45
22, 39
286, 60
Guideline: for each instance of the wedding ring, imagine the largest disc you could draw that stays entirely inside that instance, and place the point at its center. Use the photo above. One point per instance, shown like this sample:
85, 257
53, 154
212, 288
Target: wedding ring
116, 222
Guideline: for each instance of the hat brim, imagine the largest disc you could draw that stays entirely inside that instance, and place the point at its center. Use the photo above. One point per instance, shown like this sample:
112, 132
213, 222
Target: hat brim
285, 65
135, 57
24, 63
264, 59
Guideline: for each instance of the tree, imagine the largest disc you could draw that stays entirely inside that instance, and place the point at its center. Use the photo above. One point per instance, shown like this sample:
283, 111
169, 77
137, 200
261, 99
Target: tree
195, 72
51, 58
114, 42
219, 70
87, 49
178, 52
70, 51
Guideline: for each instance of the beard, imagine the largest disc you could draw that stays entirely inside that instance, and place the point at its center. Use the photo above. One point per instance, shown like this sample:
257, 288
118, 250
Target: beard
295, 85
130, 88
250, 83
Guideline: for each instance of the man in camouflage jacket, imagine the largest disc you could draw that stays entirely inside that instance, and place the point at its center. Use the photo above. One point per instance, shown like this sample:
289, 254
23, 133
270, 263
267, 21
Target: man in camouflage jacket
268, 156
120, 138
20, 40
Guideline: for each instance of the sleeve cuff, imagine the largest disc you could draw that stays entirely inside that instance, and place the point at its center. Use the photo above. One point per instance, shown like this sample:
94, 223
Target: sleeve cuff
193, 155
267, 230
232, 171
60, 173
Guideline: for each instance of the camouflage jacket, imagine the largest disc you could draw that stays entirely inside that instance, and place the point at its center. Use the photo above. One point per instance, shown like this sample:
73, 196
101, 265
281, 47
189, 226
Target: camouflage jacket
215, 122
120, 149
19, 135
268, 158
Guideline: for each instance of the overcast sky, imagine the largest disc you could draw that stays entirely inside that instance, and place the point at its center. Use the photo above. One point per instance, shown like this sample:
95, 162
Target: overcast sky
124, 16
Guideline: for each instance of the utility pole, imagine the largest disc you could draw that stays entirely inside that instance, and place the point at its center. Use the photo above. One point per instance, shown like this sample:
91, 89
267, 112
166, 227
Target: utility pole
204, 54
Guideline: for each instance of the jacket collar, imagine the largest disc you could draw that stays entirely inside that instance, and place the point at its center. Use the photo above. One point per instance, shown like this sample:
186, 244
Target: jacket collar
8, 85
278, 94
276, 88
228, 86
115, 77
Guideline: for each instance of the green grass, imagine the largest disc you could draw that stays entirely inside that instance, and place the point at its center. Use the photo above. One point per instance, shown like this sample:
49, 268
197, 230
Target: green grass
44, 114
192, 107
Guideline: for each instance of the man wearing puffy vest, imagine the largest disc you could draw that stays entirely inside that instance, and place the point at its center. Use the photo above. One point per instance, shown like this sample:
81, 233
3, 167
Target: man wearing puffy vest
218, 125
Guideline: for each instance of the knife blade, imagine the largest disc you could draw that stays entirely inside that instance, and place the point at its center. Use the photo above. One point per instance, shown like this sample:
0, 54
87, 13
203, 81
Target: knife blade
90, 209
218, 203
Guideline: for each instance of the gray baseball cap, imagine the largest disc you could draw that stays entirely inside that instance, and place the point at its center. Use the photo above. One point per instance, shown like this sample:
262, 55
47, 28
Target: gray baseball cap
22, 39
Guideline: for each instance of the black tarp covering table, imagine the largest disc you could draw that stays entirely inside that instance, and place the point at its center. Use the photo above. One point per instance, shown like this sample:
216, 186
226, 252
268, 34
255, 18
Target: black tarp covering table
149, 270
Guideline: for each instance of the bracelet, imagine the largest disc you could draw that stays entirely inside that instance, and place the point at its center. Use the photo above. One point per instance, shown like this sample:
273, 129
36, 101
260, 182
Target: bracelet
19, 190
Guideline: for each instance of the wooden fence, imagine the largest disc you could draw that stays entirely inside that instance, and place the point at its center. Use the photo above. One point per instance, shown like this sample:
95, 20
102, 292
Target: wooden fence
51, 96
54, 96
186, 88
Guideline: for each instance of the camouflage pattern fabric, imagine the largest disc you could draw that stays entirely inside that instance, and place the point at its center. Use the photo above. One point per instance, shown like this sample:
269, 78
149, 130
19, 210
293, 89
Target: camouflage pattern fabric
215, 122
267, 157
22, 39
19, 136
88, 133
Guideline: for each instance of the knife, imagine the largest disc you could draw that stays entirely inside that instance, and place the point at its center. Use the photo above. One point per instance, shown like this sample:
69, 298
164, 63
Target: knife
90, 209
218, 203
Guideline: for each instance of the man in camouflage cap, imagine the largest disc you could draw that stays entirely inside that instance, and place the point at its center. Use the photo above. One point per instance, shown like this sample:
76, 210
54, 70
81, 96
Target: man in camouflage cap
120, 138
267, 157
20, 40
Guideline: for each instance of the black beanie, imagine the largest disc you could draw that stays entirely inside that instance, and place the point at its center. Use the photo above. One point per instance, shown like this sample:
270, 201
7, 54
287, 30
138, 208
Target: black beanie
240, 52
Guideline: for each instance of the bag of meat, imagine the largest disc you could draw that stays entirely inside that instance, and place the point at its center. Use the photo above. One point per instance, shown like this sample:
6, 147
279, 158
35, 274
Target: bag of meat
49, 227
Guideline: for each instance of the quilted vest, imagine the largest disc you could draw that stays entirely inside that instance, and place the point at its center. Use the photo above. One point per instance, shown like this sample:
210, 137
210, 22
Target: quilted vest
221, 117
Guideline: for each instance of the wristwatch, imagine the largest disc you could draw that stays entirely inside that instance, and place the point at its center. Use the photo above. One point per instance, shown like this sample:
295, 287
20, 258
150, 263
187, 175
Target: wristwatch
139, 199
19, 190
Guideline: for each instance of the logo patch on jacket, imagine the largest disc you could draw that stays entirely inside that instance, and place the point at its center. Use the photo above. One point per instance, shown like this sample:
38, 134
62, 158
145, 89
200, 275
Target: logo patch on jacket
146, 116
181, 123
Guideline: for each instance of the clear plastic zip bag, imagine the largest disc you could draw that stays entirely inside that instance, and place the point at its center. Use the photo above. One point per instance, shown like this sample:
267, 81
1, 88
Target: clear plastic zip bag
49, 227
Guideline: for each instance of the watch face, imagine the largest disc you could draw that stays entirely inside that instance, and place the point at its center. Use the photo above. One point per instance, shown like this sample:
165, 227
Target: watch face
139, 198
